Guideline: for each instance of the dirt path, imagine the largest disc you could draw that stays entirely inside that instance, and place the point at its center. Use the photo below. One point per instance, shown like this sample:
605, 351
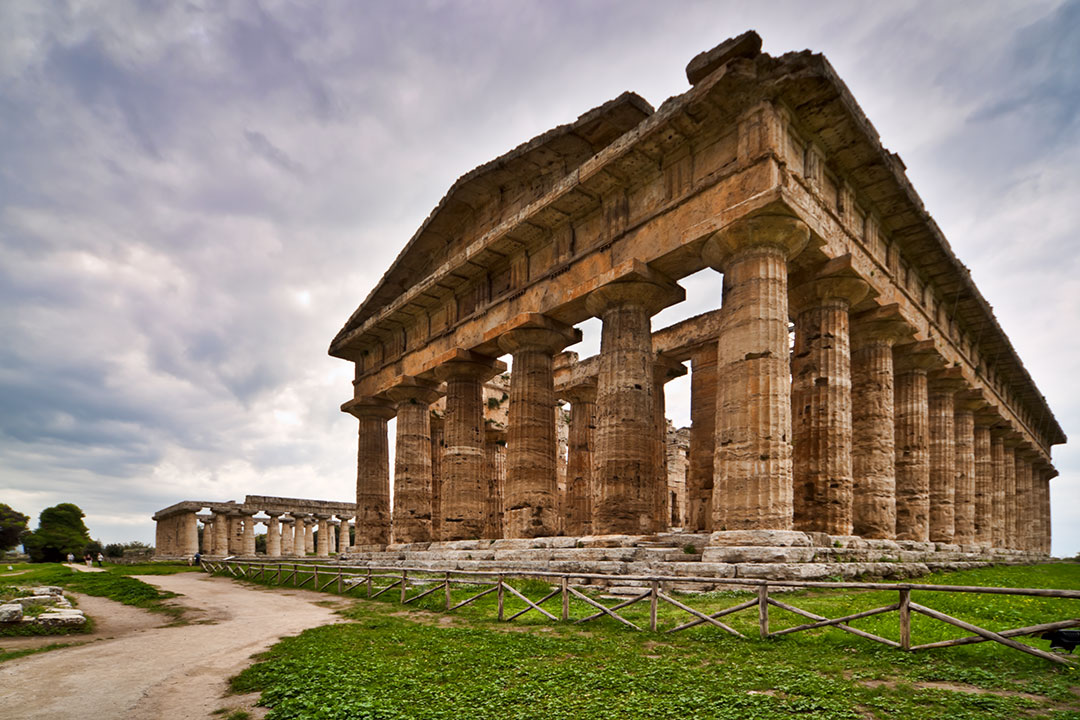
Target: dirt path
162, 672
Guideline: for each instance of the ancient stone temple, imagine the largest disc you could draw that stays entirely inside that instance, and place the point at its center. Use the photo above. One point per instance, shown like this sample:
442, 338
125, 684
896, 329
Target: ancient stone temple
898, 419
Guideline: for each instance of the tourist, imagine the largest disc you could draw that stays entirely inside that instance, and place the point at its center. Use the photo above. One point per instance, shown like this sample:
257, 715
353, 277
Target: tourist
100, 559
198, 558
71, 558
88, 560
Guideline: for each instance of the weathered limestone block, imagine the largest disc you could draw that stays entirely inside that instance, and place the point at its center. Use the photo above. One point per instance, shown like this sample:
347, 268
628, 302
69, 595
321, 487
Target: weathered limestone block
757, 554
412, 460
753, 412
372, 473
625, 471
765, 538
942, 413
61, 617
785, 571
464, 488
11, 612
699, 476
702, 569
530, 499
821, 403
912, 413
579, 485
873, 429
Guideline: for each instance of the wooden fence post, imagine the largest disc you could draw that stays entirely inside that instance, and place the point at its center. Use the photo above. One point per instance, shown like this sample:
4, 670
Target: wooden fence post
447, 589
654, 588
905, 618
565, 598
339, 581
369, 582
763, 610
500, 597
296, 571
404, 579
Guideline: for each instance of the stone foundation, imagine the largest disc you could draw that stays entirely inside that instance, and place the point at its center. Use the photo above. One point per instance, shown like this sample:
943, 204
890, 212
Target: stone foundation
758, 554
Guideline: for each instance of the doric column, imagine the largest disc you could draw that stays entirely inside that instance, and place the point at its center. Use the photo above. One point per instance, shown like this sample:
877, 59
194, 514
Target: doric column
412, 459
1012, 440
221, 531
873, 422
437, 445
943, 388
821, 403
309, 536
912, 428
998, 520
189, 533
579, 486
322, 542
664, 369
1047, 530
624, 462
236, 534
207, 534
530, 501
464, 487
1025, 506
287, 534
984, 481
273, 536
495, 475
699, 473
249, 531
964, 492
333, 528
343, 535
753, 468
372, 470
300, 534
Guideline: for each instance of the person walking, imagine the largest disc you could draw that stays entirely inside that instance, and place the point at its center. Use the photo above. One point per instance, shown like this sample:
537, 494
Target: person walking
100, 559
88, 560
71, 558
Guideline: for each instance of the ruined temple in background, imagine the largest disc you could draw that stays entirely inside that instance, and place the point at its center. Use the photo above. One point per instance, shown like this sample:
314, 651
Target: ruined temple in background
902, 421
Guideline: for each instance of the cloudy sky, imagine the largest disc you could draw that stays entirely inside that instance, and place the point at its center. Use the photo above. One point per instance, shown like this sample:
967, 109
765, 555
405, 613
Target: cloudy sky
195, 195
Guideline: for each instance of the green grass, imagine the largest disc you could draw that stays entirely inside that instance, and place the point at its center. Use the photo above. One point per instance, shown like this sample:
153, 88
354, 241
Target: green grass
391, 663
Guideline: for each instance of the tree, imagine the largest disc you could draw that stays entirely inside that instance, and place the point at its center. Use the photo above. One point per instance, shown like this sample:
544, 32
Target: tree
12, 527
60, 531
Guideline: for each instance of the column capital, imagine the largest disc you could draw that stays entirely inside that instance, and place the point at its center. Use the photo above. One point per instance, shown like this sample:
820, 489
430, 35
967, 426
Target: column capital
948, 380
631, 291
365, 407
667, 368
469, 365
580, 393
411, 390
882, 324
971, 400
286, 520
918, 357
835, 280
537, 332
787, 234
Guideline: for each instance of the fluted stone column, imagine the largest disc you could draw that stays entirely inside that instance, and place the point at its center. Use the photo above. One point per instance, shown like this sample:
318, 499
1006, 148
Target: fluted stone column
221, 532
1012, 440
942, 398
343, 535
189, 533
699, 473
999, 520
322, 542
299, 534
236, 534
984, 483
664, 369
579, 486
964, 491
438, 444
821, 403
530, 500
373, 470
412, 460
333, 527
494, 462
309, 536
1047, 529
287, 535
912, 428
464, 487
1024, 499
753, 470
273, 536
873, 422
208, 536
249, 532
624, 469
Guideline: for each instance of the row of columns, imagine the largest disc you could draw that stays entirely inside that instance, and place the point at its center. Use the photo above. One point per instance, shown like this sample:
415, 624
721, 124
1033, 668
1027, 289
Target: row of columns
857, 431
232, 532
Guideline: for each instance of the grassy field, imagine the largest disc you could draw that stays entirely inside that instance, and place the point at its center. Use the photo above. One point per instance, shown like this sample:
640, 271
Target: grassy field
423, 663
114, 584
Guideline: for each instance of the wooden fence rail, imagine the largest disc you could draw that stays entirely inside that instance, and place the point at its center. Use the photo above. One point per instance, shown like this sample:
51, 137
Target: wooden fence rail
424, 582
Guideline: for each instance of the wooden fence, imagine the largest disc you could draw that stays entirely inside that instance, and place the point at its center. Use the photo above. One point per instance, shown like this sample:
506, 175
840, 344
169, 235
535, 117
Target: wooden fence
377, 581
